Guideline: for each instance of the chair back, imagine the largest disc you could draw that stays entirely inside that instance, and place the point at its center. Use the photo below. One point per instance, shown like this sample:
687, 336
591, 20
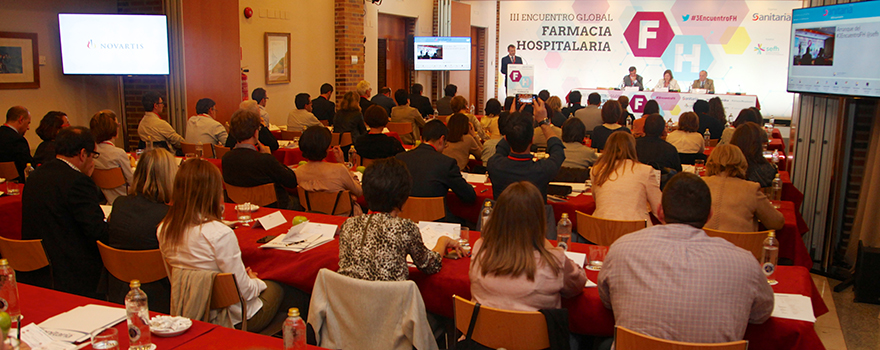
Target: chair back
330, 203
290, 135
341, 139
143, 265
108, 178
423, 209
400, 128
207, 149
497, 328
24, 255
8, 171
604, 231
225, 293
219, 151
443, 118
713, 142
690, 158
261, 195
625, 339
753, 242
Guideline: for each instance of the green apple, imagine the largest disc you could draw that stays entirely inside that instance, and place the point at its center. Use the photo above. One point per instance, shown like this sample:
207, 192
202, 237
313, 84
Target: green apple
299, 219
5, 323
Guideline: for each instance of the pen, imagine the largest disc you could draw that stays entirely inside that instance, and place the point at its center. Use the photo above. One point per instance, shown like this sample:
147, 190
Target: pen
294, 243
484, 190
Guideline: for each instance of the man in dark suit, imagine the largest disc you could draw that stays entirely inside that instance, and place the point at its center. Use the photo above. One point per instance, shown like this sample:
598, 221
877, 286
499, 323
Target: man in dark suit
249, 164
60, 206
511, 58
13, 146
633, 79
383, 98
434, 173
417, 101
444, 105
322, 107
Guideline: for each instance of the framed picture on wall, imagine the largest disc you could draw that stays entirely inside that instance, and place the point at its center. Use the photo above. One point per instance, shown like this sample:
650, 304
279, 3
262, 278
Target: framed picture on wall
19, 61
277, 58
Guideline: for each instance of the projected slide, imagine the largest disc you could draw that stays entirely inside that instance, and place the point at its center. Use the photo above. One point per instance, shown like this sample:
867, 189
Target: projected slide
442, 53
113, 44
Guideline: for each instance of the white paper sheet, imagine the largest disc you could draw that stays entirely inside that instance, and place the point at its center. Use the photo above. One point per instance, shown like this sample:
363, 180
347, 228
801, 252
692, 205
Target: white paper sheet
475, 178
303, 237
431, 232
793, 306
76, 325
107, 209
272, 220
578, 258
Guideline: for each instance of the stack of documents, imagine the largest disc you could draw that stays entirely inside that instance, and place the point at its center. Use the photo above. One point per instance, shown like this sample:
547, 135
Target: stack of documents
303, 237
431, 232
793, 306
475, 178
77, 325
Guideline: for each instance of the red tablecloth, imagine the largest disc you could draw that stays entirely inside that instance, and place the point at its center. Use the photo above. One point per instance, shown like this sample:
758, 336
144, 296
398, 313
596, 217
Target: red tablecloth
221, 338
10, 213
791, 193
776, 134
791, 242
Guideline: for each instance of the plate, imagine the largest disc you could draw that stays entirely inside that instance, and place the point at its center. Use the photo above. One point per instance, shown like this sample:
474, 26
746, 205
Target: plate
165, 324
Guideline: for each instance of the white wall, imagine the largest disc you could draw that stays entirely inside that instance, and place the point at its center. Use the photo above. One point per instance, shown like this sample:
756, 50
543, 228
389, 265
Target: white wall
421, 10
311, 25
483, 16
78, 96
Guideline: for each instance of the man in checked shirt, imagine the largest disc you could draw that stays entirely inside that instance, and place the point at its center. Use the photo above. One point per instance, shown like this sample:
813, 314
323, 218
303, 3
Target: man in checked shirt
674, 282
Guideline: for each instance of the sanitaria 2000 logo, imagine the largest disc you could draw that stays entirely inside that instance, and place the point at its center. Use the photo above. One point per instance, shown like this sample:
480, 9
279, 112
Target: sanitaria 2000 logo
771, 17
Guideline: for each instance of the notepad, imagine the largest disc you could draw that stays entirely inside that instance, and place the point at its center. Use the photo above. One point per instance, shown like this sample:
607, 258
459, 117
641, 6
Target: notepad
303, 237
107, 209
793, 306
475, 178
77, 324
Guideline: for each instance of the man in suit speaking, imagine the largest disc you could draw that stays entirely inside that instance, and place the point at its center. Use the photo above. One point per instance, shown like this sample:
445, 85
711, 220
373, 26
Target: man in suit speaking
633, 80
704, 82
511, 58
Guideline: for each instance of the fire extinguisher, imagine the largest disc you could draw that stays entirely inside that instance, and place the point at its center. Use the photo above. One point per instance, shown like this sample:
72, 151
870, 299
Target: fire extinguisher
244, 85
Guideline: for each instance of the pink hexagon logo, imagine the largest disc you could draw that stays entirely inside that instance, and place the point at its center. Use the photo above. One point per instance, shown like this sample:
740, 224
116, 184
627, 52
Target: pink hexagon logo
637, 103
553, 59
648, 34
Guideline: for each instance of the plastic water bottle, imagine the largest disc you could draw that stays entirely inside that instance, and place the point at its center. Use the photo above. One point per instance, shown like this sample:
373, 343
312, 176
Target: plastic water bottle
629, 121
485, 214
563, 232
138, 315
770, 257
27, 171
706, 137
352, 154
200, 150
776, 189
294, 331
669, 125
8, 290
775, 158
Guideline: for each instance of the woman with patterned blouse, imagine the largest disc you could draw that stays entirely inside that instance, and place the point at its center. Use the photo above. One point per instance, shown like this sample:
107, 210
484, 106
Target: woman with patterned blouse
374, 246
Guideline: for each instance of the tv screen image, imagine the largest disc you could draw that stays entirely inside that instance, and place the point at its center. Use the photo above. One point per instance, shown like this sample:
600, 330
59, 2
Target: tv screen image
442, 53
96, 44
834, 50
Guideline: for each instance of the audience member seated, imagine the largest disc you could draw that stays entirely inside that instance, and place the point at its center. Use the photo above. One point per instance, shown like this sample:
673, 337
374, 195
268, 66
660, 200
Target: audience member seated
49, 126
13, 146
686, 139
364, 90
716, 110
192, 237
417, 101
405, 113
489, 122
745, 116
261, 99
708, 122
624, 104
444, 104
651, 107
249, 164
301, 118
750, 137
591, 115
265, 136
577, 155
574, 100
320, 176
59, 205
375, 144
203, 127
463, 141
459, 104
611, 114
490, 144
654, 151
513, 266
384, 100
322, 107
539, 140
105, 128
622, 186
737, 204
554, 109
374, 246
135, 218
349, 119
646, 273
152, 128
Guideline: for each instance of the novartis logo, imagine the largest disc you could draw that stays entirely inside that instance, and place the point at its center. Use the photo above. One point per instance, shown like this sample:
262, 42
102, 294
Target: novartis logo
114, 46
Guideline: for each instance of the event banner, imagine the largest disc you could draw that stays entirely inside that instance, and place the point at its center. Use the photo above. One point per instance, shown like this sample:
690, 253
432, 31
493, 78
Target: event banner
586, 44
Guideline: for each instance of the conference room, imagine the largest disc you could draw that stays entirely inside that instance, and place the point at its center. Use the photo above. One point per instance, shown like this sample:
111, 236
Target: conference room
96, 62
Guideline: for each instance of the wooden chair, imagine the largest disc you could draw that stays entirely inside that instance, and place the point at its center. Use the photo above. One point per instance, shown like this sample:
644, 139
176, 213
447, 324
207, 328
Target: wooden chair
219, 151
143, 265
750, 241
400, 128
625, 339
330, 203
443, 118
713, 142
109, 178
496, 328
207, 149
24, 255
8, 171
604, 231
341, 139
290, 135
225, 293
423, 209
262, 195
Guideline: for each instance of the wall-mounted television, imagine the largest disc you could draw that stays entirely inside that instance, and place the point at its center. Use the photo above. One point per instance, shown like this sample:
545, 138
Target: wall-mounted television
442, 53
834, 50
113, 44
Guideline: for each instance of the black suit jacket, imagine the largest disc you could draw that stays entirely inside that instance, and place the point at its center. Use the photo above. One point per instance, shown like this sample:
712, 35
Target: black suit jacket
657, 153
265, 137
364, 103
505, 61
60, 206
434, 174
245, 167
444, 106
324, 109
422, 103
384, 101
15, 148
639, 83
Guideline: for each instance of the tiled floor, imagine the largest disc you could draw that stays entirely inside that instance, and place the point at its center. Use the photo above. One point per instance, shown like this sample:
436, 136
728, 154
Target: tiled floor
847, 325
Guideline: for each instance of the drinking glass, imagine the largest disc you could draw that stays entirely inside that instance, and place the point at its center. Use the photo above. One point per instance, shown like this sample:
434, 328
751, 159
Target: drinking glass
464, 239
12, 189
105, 339
597, 257
699, 166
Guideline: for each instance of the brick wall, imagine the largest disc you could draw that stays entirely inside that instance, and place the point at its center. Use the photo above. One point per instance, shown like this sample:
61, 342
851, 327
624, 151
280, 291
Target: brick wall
134, 86
349, 23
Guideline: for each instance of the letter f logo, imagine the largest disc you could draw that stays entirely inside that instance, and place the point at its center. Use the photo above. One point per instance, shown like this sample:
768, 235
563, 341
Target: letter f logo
645, 34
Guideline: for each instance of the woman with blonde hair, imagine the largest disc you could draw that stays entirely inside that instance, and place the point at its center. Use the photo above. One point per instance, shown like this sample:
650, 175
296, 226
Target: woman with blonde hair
459, 104
737, 204
513, 266
105, 128
622, 186
192, 237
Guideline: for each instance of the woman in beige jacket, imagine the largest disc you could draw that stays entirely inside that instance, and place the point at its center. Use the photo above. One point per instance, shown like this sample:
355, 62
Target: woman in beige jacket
737, 204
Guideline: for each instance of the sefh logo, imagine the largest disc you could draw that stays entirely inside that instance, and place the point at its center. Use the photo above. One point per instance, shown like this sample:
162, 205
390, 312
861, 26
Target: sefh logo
90, 44
637, 103
648, 34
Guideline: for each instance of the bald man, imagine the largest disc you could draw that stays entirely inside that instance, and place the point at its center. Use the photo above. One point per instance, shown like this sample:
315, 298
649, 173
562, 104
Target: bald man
704, 82
13, 146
